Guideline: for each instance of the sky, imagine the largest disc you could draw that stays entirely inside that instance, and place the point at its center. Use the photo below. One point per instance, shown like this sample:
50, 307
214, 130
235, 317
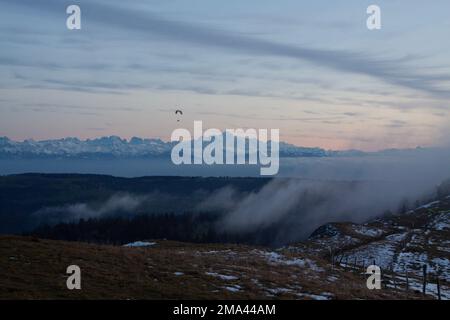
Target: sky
311, 69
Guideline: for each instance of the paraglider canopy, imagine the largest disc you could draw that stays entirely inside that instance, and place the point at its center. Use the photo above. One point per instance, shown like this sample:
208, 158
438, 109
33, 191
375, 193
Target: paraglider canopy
178, 111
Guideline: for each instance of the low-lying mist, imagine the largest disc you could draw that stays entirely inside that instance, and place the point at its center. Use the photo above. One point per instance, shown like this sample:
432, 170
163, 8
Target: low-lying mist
117, 204
380, 184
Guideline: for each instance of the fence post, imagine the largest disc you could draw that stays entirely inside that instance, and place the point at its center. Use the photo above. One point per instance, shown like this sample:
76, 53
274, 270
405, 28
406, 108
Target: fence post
330, 249
393, 278
438, 287
407, 280
407, 283
424, 286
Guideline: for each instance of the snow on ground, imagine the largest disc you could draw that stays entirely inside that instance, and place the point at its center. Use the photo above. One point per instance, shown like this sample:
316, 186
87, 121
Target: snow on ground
221, 252
322, 296
382, 252
277, 291
233, 288
431, 288
221, 276
443, 245
140, 244
429, 205
338, 240
411, 262
256, 282
442, 265
397, 237
441, 222
276, 258
417, 240
332, 278
444, 249
367, 231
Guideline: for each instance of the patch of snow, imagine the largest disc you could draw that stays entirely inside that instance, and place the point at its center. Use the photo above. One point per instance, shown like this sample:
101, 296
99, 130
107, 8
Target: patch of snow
443, 249
256, 282
332, 278
221, 276
228, 252
178, 273
140, 244
442, 245
294, 262
234, 288
276, 291
441, 222
367, 231
397, 237
411, 262
322, 296
429, 205
276, 258
382, 252
430, 288
442, 265
417, 239
272, 256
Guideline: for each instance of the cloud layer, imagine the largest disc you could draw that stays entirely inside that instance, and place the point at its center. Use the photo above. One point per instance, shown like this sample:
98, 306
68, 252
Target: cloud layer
398, 72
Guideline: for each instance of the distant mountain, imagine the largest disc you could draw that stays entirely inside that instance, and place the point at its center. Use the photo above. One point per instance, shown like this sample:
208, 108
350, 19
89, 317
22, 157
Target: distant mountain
116, 147
112, 146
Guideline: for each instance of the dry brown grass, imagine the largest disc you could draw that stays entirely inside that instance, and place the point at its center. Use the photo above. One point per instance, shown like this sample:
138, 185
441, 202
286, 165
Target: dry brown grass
35, 269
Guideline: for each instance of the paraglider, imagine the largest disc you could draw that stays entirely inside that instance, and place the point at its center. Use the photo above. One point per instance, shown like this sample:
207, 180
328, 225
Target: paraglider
178, 111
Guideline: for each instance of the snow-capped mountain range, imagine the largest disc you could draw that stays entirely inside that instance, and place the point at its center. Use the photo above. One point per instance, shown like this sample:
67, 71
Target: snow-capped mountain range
114, 146
73, 147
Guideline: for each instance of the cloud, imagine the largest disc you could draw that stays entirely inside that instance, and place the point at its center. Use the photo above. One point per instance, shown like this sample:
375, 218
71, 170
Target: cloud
347, 189
391, 71
397, 124
74, 212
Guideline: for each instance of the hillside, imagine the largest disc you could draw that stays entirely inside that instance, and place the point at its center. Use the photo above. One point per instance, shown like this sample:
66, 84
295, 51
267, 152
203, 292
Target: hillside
401, 245
35, 268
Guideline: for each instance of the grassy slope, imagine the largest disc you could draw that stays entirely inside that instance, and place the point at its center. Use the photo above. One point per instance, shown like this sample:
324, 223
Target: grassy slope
35, 269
